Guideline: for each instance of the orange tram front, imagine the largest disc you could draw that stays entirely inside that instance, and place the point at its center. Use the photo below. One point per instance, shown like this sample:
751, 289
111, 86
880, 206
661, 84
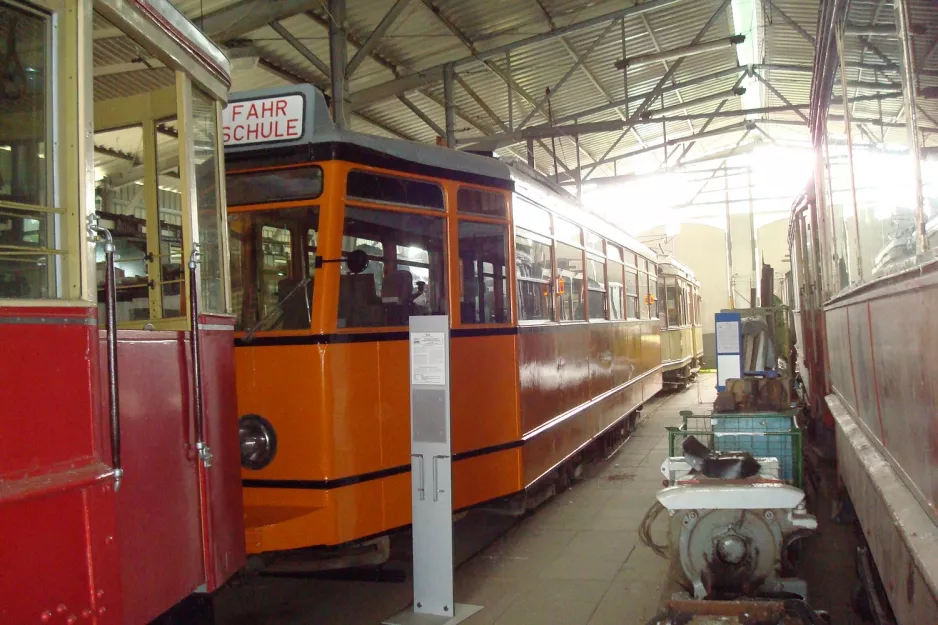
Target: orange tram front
336, 239
119, 479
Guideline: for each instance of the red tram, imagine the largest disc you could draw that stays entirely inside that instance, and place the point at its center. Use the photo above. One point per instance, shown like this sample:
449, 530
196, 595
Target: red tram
866, 281
119, 462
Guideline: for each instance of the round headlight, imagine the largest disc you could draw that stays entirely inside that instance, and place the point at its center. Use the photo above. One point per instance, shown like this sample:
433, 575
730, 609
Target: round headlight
258, 441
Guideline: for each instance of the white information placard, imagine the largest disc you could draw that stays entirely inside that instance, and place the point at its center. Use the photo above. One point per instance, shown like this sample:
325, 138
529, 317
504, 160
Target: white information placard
727, 368
263, 120
727, 337
428, 358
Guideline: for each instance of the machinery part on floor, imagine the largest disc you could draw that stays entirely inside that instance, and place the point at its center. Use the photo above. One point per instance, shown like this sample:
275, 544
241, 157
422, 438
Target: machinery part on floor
644, 530
731, 537
724, 465
677, 470
740, 612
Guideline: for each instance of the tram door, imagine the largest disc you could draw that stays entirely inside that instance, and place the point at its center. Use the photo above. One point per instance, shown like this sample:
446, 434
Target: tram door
140, 199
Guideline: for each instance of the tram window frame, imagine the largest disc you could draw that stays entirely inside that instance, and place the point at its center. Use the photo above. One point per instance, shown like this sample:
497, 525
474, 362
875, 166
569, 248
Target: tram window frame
382, 311
615, 269
525, 283
50, 259
577, 308
501, 315
596, 294
643, 305
632, 302
386, 182
300, 222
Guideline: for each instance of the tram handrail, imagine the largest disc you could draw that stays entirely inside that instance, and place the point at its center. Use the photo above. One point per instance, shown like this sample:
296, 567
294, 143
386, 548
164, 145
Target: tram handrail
205, 454
110, 312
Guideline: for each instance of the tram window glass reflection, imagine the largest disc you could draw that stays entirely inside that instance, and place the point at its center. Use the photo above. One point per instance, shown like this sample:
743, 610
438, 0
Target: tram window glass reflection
596, 287
616, 290
406, 275
534, 267
672, 303
482, 253
209, 218
566, 231
488, 203
631, 293
570, 271
280, 185
172, 269
121, 209
528, 216
643, 306
365, 185
660, 302
27, 223
272, 278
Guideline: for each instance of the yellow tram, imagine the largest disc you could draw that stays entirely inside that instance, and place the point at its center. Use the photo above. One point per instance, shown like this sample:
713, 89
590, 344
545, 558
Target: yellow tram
681, 331
336, 239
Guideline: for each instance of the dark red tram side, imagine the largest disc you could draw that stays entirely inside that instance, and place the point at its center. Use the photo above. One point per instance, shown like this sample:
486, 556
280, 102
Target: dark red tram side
119, 463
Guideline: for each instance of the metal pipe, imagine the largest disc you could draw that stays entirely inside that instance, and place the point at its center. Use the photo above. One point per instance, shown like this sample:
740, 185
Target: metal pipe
625, 74
909, 87
110, 311
530, 152
752, 241
201, 447
729, 240
511, 107
691, 50
579, 183
338, 53
664, 143
849, 132
448, 106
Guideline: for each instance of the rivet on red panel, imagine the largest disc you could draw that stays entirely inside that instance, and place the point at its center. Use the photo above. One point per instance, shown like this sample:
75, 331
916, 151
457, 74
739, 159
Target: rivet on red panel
61, 608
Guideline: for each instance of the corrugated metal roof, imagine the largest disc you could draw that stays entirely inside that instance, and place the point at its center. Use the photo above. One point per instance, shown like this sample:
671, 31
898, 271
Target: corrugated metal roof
423, 37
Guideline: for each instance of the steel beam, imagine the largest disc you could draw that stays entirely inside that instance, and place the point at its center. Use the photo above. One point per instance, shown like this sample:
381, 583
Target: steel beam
300, 47
688, 147
423, 116
402, 85
664, 79
448, 105
380, 30
795, 25
580, 60
731, 71
778, 94
338, 51
242, 17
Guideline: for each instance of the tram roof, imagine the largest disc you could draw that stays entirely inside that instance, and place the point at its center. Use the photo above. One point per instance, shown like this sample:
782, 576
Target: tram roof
672, 266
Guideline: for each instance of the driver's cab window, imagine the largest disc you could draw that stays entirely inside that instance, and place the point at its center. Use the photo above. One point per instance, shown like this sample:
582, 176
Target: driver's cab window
405, 273
272, 264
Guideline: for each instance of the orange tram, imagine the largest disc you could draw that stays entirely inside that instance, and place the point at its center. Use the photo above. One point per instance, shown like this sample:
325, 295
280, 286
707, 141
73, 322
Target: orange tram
336, 239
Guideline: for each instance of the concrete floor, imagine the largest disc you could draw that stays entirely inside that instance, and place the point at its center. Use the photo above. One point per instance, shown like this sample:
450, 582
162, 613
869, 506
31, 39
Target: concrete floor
576, 560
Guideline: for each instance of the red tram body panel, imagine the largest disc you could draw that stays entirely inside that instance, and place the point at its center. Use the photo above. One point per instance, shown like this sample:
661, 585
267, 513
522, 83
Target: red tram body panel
115, 506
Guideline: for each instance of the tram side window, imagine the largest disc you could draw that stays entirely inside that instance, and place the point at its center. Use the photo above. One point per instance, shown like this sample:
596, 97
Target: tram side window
570, 282
616, 290
406, 275
488, 203
272, 278
643, 295
661, 300
672, 303
482, 253
596, 287
631, 293
534, 267
208, 209
28, 241
365, 185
